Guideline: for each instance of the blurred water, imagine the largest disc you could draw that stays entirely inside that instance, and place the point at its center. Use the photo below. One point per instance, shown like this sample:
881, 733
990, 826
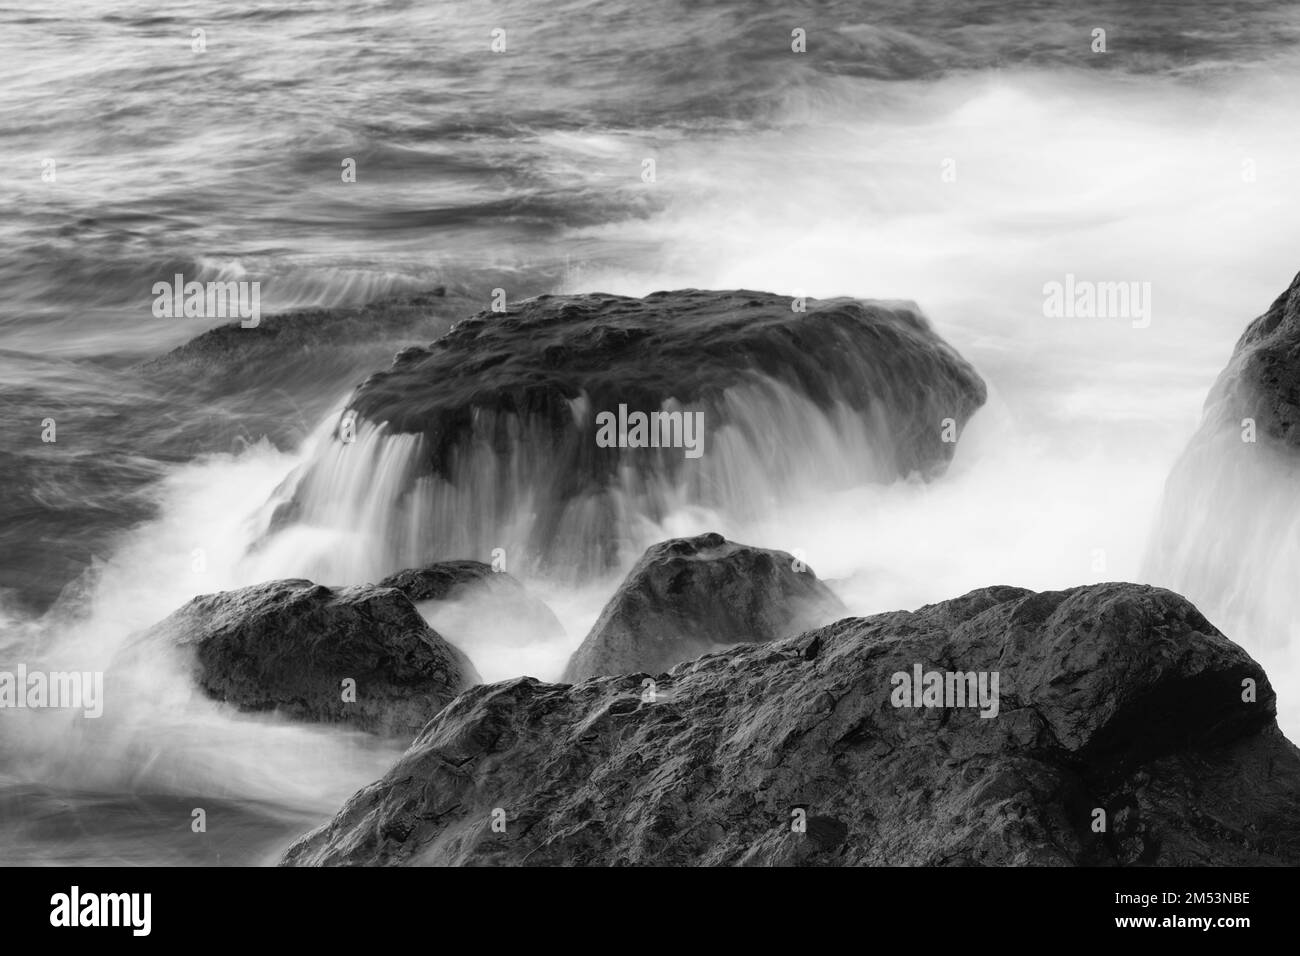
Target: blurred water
959, 157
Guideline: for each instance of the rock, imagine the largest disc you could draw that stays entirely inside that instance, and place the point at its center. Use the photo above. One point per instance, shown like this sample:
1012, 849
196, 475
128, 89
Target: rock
453, 580
1113, 697
305, 349
289, 645
1262, 378
445, 580
540, 355
511, 418
690, 596
1228, 530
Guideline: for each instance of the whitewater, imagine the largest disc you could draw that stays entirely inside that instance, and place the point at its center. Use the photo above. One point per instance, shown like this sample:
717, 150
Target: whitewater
964, 166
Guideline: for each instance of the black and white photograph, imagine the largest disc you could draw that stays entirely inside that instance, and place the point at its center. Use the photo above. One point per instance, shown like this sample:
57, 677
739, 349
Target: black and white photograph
612, 435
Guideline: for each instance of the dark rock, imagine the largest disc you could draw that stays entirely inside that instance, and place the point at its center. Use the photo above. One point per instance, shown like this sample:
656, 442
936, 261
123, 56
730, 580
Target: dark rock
446, 580
1112, 697
541, 354
1226, 532
690, 596
289, 645
508, 407
1262, 378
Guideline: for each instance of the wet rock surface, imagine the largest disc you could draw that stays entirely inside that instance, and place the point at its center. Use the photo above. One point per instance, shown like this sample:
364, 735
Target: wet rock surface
689, 596
539, 356
289, 645
1126, 732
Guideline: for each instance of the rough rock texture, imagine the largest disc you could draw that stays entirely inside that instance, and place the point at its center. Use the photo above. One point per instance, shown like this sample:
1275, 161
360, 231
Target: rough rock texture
1113, 696
690, 596
500, 595
445, 580
504, 418
536, 358
288, 646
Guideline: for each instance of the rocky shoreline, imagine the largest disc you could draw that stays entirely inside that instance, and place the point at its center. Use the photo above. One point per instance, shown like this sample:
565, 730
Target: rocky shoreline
1124, 737
724, 708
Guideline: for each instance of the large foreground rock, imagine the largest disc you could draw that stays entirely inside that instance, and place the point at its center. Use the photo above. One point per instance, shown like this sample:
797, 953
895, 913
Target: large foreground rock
504, 419
1115, 697
289, 646
690, 596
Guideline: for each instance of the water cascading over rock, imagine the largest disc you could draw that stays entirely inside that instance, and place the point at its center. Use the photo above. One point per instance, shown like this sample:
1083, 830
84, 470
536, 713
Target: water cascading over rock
487, 438
1228, 533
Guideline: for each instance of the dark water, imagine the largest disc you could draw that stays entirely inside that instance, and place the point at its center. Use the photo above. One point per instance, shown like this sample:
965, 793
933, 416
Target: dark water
1171, 159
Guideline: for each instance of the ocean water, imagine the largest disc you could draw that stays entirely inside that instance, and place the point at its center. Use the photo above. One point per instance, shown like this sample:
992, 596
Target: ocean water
959, 157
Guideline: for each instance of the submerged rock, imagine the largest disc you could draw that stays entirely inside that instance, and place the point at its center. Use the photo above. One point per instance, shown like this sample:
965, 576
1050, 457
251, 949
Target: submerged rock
446, 580
689, 596
1122, 728
290, 645
566, 426
310, 349
495, 599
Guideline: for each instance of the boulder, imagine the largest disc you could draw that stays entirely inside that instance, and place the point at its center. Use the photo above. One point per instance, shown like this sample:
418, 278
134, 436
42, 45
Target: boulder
1262, 378
1125, 729
449, 580
289, 645
1227, 534
538, 357
527, 421
690, 596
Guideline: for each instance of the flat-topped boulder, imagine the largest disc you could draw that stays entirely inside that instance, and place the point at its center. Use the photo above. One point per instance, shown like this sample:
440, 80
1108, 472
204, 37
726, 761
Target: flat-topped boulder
1102, 725
690, 596
566, 427
290, 646
539, 357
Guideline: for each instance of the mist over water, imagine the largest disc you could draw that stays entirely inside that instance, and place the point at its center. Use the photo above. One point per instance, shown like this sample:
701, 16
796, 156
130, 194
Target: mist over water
1170, 160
